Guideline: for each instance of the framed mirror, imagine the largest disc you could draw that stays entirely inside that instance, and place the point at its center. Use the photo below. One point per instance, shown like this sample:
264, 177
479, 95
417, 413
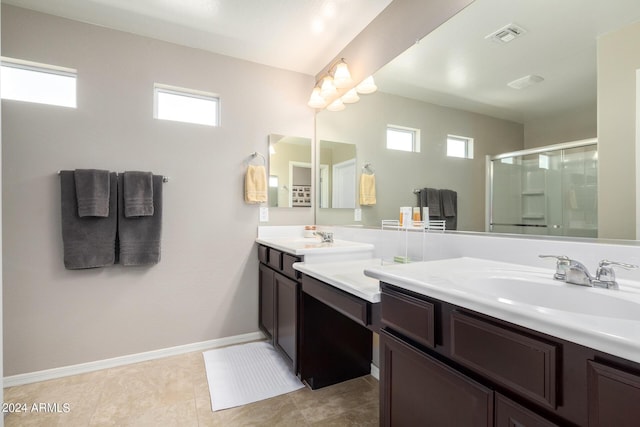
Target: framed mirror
290, 172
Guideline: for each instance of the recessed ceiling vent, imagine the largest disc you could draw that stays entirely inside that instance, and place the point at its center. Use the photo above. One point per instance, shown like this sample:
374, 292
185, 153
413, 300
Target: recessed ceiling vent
506, 33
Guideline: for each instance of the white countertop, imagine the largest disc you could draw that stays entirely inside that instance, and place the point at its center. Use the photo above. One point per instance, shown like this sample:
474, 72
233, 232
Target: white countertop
602, 319
346, 275
313, 246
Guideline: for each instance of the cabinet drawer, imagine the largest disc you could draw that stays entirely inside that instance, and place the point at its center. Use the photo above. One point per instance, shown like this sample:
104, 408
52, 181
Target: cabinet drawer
510, 414
263, 254
412, 317
343, 302
523, 364
275, 259
614, 396
287, 265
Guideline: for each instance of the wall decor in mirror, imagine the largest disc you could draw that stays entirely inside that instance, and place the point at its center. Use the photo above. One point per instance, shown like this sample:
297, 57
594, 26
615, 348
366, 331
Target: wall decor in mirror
290, 171
463, 81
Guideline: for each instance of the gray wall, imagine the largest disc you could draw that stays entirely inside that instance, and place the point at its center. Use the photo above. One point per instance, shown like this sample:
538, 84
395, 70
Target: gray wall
205, 287
618, 60
574, 125
398, 173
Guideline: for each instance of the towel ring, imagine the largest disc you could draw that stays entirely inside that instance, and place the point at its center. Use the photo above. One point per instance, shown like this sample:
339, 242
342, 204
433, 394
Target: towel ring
368, 169
256, 154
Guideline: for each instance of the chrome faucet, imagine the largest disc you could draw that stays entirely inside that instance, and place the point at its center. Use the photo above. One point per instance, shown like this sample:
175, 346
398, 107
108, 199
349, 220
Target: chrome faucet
576, 273
326, 236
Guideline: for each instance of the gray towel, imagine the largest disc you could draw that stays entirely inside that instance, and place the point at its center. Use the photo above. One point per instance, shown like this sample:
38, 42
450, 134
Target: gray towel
92, 192
138, 194
88, 241
139, 237
450, 208
433, 202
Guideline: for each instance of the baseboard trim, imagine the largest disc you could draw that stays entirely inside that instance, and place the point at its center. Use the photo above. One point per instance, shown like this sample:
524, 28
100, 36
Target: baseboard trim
375, 372
65, 371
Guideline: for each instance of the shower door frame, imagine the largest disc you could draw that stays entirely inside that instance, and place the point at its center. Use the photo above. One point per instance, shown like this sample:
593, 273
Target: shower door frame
537, 150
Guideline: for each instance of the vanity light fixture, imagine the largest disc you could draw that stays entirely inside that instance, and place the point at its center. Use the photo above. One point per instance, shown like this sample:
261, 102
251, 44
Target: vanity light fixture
338, 77
351, 96
327, 89
336, 105
342, 76
367, 86
316, 100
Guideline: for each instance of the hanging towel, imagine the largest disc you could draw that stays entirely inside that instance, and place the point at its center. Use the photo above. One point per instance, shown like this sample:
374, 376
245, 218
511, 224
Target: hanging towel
367, 189
88, 242
433, 202
92, 192
139, 237
138, 194
255, 184
450, 208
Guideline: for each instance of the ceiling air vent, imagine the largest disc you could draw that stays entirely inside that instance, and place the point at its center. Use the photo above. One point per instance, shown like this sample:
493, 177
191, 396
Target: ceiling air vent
506, 33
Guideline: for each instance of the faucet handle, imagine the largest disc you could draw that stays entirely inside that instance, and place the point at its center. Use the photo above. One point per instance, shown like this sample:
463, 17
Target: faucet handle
563, 263
607, 276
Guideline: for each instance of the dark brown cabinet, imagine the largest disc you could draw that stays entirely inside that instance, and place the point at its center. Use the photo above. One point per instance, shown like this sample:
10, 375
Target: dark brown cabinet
420, 390
439, 360
614, 396
286, 318
266, 289
279, 295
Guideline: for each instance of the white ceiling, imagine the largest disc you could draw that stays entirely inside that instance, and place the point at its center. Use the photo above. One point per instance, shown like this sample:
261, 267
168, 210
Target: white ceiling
297, 35
456, 66
453, 66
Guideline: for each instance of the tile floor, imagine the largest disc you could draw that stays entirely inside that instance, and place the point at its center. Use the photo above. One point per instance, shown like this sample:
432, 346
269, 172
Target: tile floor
174, 392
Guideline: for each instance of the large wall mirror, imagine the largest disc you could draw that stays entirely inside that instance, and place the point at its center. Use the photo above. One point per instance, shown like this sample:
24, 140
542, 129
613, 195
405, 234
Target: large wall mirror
290, 172
455, 83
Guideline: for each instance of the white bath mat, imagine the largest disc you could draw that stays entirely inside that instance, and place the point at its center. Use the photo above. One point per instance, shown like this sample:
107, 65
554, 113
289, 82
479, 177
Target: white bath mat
247, 373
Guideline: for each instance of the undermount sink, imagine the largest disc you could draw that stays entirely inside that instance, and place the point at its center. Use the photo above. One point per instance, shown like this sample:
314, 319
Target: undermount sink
554, 295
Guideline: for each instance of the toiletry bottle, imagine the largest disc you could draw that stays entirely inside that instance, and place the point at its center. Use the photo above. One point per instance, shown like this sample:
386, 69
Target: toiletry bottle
416, 214
425, 216
405, 216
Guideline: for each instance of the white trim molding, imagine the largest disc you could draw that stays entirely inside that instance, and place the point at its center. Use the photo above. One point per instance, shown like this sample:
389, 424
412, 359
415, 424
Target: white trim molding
65, 371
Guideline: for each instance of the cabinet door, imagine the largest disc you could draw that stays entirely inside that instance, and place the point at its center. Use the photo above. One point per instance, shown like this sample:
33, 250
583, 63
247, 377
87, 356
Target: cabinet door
418, 390
286, 328
614, 396
266, 297
510, 414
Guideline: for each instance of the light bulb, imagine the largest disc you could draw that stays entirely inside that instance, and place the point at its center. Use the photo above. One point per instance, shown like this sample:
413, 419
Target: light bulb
367, 86
316, 100
336, 105
327, 90
342, 76
350, 97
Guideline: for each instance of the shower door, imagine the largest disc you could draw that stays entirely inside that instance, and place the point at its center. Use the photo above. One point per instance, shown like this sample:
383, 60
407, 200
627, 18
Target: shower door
546, 191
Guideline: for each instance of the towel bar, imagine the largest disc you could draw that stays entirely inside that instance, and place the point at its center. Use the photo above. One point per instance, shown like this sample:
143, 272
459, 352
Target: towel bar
164, 178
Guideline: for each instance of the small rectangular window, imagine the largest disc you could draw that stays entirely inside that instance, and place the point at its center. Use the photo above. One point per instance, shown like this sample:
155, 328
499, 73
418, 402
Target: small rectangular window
459, 146
186, 105
403, 139
40, 83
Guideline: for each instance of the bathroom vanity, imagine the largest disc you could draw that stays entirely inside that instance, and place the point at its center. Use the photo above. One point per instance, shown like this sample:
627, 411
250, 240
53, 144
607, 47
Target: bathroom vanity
452, 354
322, 325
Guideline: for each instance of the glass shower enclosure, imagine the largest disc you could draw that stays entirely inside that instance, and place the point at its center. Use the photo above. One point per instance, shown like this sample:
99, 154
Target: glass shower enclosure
548, 190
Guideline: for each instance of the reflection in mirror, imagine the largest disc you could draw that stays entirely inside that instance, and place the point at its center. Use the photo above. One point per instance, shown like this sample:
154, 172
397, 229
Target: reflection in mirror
454, 83
290, 177
337, 175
